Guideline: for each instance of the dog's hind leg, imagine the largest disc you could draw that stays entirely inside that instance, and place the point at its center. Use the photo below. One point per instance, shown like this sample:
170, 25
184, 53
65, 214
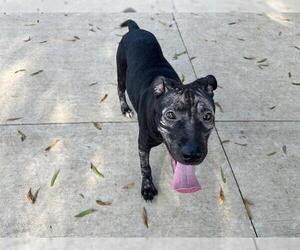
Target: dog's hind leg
121, 71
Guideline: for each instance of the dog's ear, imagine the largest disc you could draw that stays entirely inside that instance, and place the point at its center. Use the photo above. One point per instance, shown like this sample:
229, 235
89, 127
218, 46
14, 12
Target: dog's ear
159, 85
162, 84
208, 83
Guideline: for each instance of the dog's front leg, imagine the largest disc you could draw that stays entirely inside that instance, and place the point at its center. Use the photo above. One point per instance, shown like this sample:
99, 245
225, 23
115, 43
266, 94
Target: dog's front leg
148, 189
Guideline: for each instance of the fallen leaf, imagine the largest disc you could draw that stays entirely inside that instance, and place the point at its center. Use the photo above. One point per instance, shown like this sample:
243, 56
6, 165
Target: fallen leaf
225, 141
182, 78
129, 10
248, 57
77, 37
103, 203
43, 41
52, 145
82, 196
260, 67
241, 39
163, 23
272, 107
37, 72
145, 217
14, 119
262, 60
284, 149
97, 125
296, 47
290, 74
20, 70
32, 197
223, 175
129, 185
103, 98
96, 171
27, 40
193, 57
296, 83
98, 28
248, 204
219, 106
264, 65
272, 153
176, 55
93, 83
231, 23
54, 177
92, 30
85, 212
23, 136
241, 144
221, 196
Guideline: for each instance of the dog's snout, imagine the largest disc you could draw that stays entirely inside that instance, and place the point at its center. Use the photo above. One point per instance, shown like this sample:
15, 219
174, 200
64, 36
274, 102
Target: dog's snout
190, 153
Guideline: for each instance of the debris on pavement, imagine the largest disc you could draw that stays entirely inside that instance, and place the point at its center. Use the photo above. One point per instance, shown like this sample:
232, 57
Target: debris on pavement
85, 212
51, 145
96, 171
145, 217
103, 203
23, 136
32, 197
54, 177
103, 98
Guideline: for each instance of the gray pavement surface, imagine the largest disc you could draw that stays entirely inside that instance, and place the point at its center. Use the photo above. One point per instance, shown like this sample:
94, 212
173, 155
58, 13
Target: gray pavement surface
110, 6
257, 113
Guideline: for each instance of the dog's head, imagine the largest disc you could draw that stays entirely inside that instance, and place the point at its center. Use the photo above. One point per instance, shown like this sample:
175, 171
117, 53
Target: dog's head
185, 116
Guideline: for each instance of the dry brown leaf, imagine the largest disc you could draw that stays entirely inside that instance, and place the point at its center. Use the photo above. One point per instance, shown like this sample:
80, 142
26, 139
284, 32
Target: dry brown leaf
221, 196
248, 204
32, 197
103, 98
103, 203
129, 185
145, 217
97, 125
51, 145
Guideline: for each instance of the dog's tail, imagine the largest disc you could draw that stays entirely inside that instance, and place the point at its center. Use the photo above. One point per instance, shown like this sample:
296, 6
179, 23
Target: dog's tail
130, 24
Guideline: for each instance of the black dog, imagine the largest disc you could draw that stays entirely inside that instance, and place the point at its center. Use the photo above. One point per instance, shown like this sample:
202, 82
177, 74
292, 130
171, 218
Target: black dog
181, 116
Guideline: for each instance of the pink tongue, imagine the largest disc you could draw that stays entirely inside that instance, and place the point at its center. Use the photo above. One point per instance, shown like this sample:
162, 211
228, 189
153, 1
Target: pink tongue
184, 178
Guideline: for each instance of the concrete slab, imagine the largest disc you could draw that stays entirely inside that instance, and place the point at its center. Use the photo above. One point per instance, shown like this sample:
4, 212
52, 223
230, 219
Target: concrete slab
254, 6
277, 243
265, 157
127, 243
221, 41
61, 93
114, 151
150, 6
109, 6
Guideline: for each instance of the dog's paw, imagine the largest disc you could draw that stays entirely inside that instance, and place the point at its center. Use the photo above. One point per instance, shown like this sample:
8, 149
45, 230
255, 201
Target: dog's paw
126, 111
148, 190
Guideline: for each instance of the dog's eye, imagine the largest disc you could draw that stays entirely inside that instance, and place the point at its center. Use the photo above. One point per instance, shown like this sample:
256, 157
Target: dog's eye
207, 117
171, 115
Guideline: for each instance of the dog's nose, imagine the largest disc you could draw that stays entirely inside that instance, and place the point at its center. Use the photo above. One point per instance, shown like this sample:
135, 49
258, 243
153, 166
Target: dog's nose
190, 152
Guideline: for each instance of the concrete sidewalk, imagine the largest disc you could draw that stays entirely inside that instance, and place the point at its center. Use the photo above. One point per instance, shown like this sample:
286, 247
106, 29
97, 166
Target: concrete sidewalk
150, 6
258, 123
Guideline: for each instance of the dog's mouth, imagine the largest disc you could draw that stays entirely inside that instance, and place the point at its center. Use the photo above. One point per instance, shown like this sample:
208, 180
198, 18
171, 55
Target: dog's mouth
184, 177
